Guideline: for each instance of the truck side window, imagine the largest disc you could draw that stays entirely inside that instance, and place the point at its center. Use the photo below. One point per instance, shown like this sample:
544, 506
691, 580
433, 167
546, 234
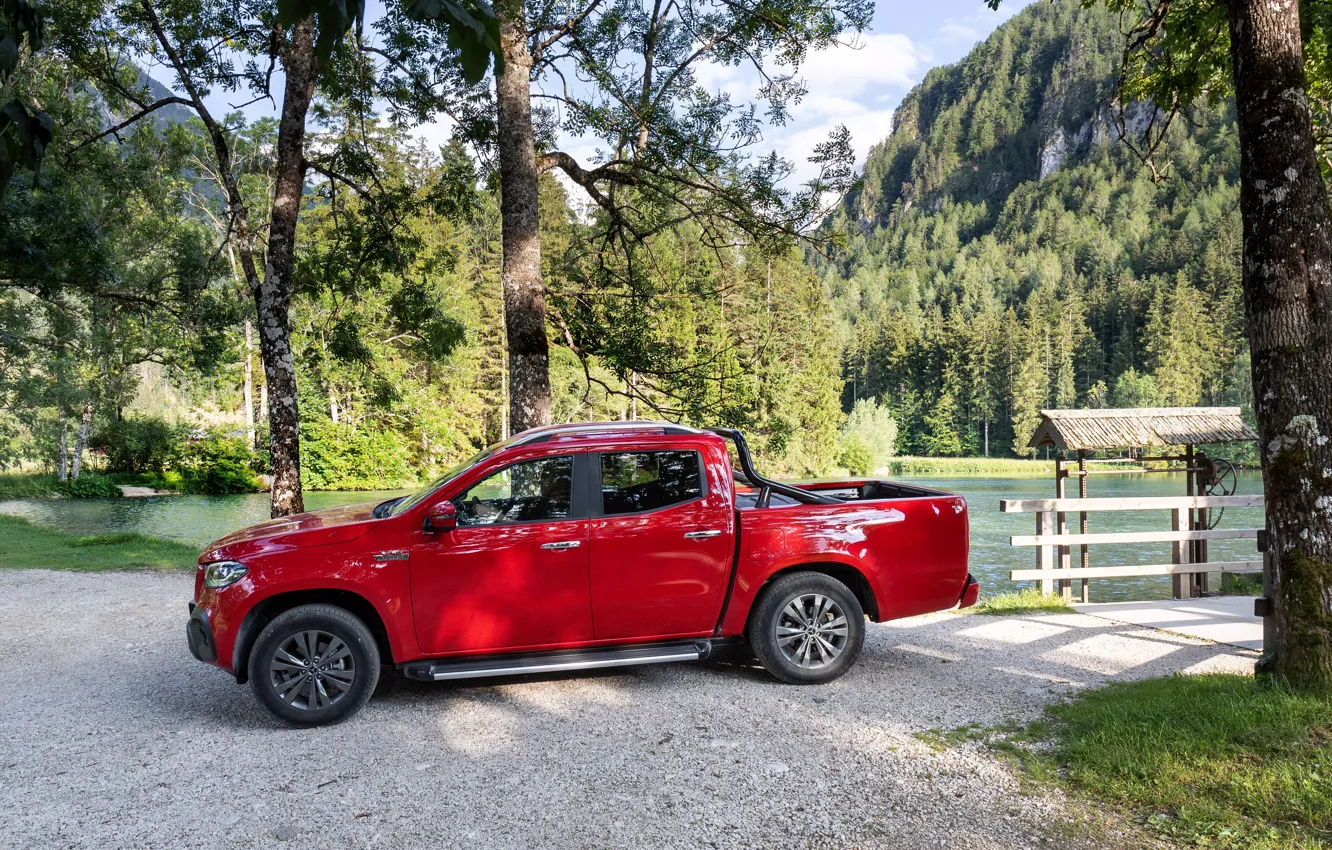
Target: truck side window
644, 481
532, 490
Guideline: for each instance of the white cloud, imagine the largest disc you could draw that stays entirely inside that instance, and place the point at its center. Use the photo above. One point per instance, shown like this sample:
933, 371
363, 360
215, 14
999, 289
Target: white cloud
883, 59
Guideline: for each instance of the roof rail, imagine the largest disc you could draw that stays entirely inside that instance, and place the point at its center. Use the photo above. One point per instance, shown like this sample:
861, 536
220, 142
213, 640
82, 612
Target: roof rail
551, 432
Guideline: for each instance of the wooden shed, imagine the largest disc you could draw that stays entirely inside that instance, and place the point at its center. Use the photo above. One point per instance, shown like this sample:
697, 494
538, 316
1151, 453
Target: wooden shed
1208, 483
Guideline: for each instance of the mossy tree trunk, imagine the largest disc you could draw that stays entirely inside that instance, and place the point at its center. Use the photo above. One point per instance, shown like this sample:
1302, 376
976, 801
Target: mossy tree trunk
524, 291
1287, 273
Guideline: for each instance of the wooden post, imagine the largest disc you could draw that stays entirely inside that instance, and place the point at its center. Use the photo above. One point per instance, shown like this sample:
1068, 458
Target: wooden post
1045, 554
1082, 517
1061, 478
1179, 554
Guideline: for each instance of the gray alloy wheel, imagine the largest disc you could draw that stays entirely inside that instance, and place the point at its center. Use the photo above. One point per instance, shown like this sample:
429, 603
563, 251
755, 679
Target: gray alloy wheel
314, 664
811, 631
806, 628
312, 670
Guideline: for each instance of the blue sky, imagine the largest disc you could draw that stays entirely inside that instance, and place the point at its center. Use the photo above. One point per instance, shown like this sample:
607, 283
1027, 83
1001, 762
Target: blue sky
858, 85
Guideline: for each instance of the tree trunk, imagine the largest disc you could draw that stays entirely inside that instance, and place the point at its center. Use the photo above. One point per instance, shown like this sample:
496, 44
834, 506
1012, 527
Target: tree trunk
85, 422
524, 293
249, 384
1287, 273
272, 299
62, 469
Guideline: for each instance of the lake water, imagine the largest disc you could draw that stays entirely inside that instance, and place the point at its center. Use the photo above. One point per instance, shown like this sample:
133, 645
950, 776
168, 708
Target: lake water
198, 520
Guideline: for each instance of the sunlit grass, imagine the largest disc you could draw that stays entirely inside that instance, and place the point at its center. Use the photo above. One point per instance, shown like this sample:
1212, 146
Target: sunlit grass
1209, 761
24, 545
1029, 601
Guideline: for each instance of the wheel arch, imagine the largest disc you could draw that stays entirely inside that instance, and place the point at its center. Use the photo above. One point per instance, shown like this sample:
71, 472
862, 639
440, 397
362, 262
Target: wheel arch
847, 574
268, 608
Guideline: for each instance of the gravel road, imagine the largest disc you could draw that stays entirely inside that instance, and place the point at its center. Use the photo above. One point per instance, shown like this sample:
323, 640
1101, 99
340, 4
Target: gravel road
112, 736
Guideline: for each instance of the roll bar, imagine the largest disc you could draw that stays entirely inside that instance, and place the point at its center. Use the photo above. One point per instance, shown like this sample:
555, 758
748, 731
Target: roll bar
766, 485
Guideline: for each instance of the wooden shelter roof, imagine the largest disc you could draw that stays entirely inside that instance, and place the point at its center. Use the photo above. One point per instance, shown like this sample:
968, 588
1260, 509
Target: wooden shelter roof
1117, 428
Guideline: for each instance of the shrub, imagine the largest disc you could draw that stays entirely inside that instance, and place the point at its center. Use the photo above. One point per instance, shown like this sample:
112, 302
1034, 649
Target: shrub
147, 444
218, 465
88, 487
340, 457
868, 437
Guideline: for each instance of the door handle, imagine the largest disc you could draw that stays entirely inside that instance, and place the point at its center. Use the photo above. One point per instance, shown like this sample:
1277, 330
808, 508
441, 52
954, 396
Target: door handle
702, 535
563, 544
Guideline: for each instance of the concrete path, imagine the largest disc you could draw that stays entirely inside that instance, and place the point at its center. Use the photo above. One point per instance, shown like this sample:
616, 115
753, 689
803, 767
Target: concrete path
1223, 619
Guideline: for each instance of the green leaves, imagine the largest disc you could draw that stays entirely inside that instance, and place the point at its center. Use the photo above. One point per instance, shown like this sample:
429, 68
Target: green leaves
24, 132
24, 135
333, 18
473, 31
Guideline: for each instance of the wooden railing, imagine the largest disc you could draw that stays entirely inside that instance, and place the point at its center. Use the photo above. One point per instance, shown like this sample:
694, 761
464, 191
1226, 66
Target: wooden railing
1187, 513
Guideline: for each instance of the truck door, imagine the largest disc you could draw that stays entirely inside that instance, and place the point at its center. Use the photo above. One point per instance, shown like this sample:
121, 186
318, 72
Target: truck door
513, 574
661, 545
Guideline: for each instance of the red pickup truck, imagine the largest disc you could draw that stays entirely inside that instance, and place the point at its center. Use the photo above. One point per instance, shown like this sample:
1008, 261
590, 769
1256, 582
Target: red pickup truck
574, 547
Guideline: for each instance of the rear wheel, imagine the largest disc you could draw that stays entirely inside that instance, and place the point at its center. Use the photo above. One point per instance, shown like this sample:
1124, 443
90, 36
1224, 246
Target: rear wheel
807, 628
314, 664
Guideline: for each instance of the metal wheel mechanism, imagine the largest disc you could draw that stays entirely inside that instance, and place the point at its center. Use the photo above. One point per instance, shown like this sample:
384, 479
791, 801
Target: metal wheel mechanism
812, 631
312, 670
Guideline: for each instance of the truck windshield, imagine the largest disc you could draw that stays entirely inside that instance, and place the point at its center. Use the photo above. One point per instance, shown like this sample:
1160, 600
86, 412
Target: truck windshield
404, 503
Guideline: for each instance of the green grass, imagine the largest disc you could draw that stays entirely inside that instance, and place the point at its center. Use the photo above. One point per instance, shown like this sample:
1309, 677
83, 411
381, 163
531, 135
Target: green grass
26, 485
1207, 761
1242, 584
1029, 601
25, 545
1008, 467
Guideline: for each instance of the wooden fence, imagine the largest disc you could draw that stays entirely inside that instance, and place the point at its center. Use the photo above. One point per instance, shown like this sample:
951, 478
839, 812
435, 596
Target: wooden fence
1187, 534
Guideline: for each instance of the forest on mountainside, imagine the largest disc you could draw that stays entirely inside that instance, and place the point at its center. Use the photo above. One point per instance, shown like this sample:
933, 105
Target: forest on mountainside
1007, 252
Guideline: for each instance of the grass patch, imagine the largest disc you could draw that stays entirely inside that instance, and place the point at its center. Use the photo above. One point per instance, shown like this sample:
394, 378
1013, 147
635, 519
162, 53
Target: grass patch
1029, 601
1242, 584
26, 485
25, 545
1008, 467
1211, 761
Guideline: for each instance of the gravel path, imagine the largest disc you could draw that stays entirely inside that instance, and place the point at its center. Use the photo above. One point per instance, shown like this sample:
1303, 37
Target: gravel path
112, 736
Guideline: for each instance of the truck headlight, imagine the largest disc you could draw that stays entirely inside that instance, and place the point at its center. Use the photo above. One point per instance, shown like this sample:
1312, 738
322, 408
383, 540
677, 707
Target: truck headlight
220, 574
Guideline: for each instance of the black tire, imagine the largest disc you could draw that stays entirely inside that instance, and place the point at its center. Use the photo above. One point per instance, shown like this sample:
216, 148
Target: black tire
782, 655
341, 675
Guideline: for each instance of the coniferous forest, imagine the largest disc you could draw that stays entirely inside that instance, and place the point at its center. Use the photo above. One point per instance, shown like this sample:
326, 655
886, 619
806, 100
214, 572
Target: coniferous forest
1005, 252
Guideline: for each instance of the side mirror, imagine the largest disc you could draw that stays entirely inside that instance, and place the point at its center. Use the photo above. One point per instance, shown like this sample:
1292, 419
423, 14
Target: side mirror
442, 517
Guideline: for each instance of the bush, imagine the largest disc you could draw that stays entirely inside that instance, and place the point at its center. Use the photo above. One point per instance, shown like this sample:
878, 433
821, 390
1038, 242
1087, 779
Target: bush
340, 457
868, 437
147, 444
88, 487
219, 466
856, 456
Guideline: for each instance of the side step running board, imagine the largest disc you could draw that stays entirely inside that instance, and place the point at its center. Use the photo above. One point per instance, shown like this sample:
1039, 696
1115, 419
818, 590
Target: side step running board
549, 662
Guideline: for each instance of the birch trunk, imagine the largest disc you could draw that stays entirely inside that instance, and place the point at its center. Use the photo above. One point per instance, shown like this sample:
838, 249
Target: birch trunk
85, 423
272, 299
62, 468
1287, 273
249, 384
524, 293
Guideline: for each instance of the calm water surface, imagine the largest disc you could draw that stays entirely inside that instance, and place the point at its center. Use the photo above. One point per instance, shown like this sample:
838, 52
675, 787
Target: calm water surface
198, 520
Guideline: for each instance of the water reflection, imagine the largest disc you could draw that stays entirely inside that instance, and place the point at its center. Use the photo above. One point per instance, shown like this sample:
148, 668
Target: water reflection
198, 520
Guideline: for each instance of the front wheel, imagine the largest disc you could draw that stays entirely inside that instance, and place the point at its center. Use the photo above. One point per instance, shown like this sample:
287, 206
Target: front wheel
807, 628
314, 664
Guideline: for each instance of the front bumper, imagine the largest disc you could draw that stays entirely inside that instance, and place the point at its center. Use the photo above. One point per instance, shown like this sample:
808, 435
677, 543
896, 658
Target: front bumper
199, 632
970, 593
